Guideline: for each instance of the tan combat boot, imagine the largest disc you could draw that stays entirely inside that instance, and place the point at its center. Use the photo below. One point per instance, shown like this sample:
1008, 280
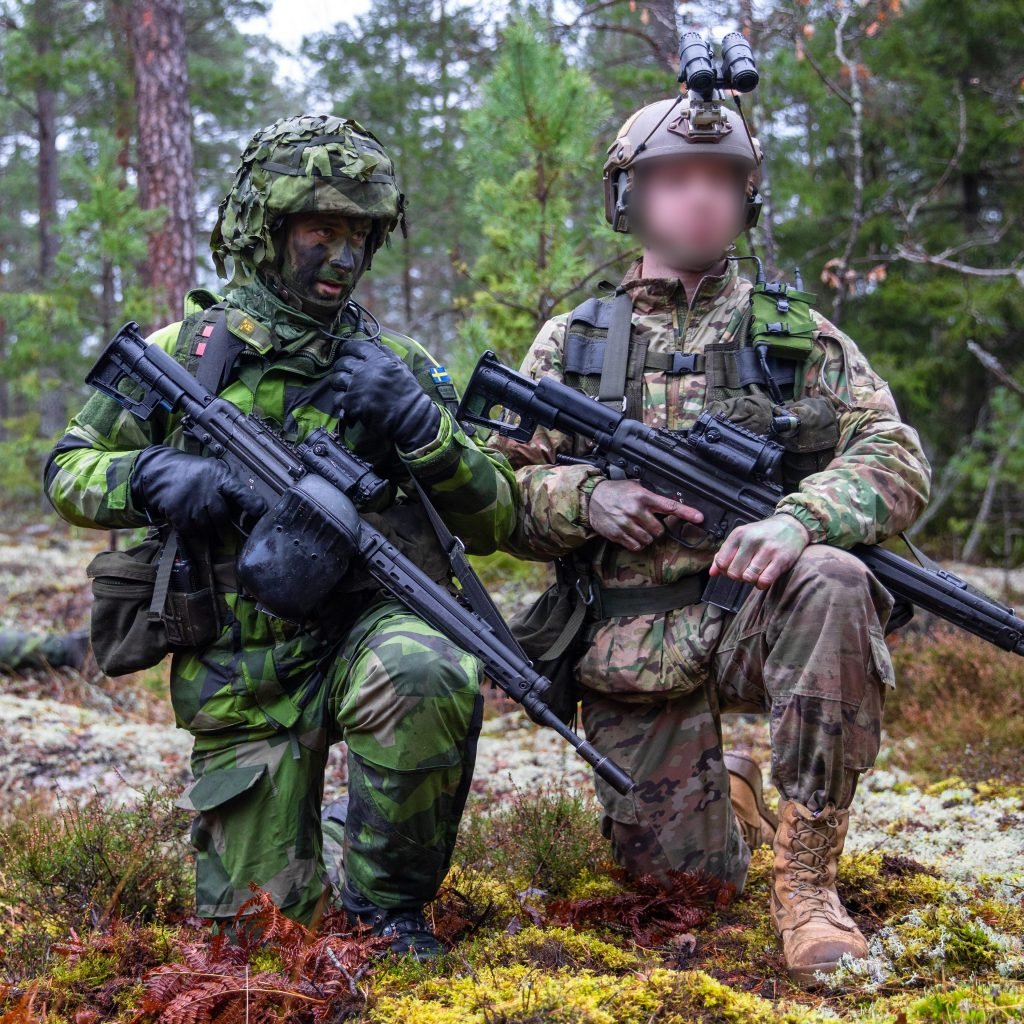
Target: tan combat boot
806, 912
757, 823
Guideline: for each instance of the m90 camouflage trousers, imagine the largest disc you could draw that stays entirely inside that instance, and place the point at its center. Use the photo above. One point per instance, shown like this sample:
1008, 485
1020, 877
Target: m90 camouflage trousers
809, 651
407, 704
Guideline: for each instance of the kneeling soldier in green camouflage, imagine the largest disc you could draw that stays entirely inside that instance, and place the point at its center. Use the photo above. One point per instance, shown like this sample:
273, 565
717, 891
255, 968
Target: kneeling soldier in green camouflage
657, 666
313, 199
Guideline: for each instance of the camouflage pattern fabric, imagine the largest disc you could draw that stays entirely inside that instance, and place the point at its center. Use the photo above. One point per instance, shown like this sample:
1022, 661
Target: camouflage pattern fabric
823, 689
809, 651
406, 703
20, 649
268, 697
303, 165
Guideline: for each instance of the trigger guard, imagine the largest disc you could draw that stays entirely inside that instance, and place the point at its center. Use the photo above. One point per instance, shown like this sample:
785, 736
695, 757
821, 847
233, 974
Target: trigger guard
692, 535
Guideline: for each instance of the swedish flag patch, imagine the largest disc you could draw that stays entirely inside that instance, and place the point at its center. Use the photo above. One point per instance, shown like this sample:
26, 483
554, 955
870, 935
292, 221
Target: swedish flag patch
439, 375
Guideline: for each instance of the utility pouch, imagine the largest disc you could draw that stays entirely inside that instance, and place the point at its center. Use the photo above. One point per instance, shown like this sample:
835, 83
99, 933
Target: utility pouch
550, 631
148, 602
807, 430
190, 610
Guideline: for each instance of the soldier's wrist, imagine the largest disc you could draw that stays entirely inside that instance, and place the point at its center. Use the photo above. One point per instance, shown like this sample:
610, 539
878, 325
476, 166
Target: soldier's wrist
586, 492
812, 527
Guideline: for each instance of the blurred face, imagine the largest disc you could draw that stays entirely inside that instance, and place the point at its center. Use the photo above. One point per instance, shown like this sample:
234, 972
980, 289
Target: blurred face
323, 259
688, 210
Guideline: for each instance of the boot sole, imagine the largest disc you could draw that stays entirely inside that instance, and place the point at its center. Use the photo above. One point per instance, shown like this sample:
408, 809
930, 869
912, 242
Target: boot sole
805, 976
747, 769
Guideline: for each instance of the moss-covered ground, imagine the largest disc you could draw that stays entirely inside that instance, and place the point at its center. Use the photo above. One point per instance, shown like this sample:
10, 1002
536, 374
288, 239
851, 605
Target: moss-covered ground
95, 891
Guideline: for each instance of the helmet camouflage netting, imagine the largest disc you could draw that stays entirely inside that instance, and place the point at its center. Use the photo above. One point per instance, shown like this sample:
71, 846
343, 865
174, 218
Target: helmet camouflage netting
303, 165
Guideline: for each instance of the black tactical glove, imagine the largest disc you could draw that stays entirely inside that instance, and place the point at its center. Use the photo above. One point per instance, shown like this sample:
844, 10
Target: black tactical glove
378, 390
193, 493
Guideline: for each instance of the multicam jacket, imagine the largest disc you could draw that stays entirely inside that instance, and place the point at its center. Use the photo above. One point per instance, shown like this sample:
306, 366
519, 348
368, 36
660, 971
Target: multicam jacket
876, 485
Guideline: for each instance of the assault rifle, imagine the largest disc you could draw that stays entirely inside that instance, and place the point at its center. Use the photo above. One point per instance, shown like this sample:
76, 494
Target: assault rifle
730, 474
314, 529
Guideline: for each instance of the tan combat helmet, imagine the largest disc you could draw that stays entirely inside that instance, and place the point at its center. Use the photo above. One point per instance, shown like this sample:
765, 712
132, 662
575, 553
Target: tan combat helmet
687, 125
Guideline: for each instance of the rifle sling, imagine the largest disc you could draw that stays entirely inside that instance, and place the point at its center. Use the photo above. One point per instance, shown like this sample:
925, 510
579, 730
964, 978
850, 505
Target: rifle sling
472, 588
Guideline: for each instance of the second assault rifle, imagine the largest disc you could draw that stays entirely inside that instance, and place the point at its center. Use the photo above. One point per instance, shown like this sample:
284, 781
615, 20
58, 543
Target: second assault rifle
728, 473
314, 526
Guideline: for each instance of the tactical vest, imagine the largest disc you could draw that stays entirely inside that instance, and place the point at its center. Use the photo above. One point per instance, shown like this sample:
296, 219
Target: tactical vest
754, 370
209, 344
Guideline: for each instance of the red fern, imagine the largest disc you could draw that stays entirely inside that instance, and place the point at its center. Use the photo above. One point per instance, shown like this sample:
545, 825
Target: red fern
215, 982
648, 910
23, 1011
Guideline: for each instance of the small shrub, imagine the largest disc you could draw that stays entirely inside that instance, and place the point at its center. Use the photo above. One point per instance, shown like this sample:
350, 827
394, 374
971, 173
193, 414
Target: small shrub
545, 839
86, 865
961, 701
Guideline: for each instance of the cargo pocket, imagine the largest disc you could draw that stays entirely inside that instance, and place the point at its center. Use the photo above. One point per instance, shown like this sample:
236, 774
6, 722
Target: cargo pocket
216, 788
881, 662
862, 729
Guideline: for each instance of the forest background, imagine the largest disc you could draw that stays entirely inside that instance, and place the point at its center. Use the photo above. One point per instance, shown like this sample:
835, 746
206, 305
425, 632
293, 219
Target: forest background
894, 131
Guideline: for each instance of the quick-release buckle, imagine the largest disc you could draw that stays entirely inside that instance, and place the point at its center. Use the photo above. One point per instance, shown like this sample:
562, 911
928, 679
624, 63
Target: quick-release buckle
683, 362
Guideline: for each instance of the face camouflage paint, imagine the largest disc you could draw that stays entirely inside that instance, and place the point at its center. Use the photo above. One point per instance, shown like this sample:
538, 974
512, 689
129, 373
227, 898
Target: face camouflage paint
322, 261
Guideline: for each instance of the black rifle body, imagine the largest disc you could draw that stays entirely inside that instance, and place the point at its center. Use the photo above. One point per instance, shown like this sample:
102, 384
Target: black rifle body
142, 377
727, 473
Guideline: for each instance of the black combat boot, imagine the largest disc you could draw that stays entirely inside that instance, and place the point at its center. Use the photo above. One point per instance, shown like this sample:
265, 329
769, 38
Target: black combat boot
407, 929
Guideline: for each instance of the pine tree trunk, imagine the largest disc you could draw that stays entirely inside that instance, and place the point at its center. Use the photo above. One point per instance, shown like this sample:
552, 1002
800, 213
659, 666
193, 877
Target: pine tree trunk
165, 149
664, 30
51, 401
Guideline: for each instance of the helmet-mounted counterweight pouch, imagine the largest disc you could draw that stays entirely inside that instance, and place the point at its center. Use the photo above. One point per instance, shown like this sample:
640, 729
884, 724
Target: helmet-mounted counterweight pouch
702, 125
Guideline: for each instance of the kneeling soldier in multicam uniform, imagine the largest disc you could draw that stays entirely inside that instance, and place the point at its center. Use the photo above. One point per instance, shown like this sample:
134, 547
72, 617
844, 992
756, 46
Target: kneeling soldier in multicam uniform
313, 200
657, 667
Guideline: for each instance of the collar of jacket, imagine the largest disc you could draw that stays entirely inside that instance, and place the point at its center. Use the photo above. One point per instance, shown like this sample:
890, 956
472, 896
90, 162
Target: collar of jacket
291, 330
663, 294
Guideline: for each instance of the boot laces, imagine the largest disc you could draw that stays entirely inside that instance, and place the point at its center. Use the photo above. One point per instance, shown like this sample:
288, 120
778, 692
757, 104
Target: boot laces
811, 873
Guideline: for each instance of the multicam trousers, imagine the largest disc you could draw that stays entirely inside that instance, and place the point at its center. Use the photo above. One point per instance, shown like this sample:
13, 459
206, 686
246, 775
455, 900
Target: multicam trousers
810, 652
407, 704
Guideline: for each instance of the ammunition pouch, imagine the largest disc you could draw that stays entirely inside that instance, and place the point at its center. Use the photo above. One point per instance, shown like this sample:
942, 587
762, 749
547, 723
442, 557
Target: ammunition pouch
807, 429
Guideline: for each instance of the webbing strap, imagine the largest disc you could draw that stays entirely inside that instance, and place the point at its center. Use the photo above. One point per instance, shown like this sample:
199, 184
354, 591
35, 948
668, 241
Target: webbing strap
619, 602
214, 350
162, 583
612, 389
569, 633
473, 590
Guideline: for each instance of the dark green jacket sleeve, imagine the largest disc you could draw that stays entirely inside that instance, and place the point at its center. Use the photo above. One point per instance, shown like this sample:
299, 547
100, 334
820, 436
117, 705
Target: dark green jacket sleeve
472, 486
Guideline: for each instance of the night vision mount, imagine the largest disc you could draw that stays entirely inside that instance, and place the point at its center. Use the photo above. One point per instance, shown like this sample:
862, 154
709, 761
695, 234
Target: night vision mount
703, 118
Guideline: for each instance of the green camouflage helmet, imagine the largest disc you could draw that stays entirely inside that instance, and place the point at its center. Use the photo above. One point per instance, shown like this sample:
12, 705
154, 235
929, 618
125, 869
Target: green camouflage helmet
301, 165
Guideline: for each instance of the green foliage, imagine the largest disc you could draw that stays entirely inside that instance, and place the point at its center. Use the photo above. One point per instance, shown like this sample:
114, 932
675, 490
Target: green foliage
407, 70
545, 839
85, 865
532, 154
940, 134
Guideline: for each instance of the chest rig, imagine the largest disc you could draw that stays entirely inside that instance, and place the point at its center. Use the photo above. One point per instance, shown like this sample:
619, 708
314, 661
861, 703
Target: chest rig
210, 344
754, 370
